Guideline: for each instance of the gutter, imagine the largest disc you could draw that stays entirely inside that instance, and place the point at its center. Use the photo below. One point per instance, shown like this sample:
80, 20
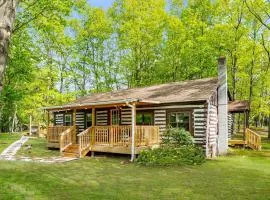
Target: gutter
129, 100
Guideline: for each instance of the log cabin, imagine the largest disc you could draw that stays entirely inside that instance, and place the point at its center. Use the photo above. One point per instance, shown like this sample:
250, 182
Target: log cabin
130, 120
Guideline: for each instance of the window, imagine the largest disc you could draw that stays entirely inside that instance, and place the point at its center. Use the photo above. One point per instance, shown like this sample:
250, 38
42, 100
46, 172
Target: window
115, 117
144, 118
180, 120
68, 119
88, 120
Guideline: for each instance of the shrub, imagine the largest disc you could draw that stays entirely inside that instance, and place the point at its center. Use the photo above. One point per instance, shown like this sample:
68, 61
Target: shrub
177, 149
176, 137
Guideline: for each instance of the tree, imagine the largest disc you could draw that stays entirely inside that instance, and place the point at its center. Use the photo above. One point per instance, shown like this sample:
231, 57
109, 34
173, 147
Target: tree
7, 16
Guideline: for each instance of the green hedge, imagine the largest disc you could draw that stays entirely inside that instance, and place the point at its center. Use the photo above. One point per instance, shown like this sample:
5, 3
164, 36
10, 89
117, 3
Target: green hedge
177, 148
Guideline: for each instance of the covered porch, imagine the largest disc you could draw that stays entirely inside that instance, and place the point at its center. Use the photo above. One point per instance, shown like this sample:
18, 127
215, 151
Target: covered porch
101, 133
249, 138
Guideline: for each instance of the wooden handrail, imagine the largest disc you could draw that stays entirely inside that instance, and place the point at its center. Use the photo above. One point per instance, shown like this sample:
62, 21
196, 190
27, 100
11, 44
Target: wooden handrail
116, 136
54, 132
121, 135
65, 138
84, 140
253, 139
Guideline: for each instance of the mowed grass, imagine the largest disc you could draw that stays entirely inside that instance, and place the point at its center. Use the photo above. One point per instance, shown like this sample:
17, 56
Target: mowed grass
243, 174
7, 139
38, 149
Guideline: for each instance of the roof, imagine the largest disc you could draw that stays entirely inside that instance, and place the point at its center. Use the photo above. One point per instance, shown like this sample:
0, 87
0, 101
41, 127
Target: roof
185, 91
238, 106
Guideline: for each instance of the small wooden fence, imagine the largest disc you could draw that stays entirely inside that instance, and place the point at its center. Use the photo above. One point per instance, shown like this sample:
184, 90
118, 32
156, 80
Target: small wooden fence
253, 140
116, 136
67, 138
54, 132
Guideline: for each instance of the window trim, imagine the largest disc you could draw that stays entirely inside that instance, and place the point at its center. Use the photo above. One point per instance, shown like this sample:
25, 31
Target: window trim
119, 116
151, 112
71, 119
189, 112
85, 119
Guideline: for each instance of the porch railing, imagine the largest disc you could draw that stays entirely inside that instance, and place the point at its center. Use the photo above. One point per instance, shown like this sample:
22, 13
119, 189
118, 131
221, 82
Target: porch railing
53, 132
84, 139
121, 135
66, 138
112, 136
253, 139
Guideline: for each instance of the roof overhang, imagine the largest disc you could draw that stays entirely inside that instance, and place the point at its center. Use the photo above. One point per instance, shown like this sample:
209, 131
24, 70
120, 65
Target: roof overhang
101, 104
238, 106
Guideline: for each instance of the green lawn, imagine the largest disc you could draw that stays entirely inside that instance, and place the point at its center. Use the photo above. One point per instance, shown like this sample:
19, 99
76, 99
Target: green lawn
243, 174
8, 138
38, 149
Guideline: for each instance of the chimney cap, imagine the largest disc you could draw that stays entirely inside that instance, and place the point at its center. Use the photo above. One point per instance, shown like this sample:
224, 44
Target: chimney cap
222, 60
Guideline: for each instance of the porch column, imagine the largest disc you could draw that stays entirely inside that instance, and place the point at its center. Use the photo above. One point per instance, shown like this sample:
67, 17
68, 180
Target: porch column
92, 140
74, 125
48, 119
133, 130
93, 117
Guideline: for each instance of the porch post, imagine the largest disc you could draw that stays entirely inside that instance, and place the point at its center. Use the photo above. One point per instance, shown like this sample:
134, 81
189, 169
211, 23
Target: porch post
48, 119
74, 125
245, 125
92, 140
133, 130
93, 117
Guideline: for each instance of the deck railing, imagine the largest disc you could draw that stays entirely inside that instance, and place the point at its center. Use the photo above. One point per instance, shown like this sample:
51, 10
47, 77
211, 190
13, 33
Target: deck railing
121, 135
253, 139
146, 135
84, 139
54, 132
66, 138
111, 136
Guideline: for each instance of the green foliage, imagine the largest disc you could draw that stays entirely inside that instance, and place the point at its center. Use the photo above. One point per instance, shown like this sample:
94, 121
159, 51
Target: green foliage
177, 149
61, 50
176, 137
163, 156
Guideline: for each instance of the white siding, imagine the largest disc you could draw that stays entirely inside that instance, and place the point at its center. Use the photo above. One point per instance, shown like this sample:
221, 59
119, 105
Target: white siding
126, 116
200, 125
80, 121
102, 117
59, 119
160, 120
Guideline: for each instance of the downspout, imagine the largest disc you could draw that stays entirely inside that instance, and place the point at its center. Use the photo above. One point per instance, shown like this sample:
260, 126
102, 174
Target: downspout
133, 124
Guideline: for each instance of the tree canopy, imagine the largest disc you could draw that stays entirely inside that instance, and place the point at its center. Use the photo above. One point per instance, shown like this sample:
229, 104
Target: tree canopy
61, 50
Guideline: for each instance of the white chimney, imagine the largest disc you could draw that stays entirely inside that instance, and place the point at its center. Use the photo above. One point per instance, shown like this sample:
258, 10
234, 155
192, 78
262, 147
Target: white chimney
222, 107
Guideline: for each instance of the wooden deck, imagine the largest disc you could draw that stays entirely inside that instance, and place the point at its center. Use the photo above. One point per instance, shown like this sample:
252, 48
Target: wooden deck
111, 139
252, 140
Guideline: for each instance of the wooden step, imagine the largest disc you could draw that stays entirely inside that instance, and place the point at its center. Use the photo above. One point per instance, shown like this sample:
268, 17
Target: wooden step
71, 155
72, 149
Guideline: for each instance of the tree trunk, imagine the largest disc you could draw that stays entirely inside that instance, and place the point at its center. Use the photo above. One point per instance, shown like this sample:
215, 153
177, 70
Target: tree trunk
14, 119
7, 16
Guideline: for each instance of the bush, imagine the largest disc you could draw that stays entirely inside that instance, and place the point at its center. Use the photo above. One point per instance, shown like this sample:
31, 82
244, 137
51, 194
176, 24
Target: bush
177, 148
176, 137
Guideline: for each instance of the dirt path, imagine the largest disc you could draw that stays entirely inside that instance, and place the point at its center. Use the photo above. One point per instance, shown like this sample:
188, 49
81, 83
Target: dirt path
10, 152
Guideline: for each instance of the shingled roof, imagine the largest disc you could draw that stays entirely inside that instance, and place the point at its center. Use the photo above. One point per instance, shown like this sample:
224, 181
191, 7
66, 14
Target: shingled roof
238, 106
176, 92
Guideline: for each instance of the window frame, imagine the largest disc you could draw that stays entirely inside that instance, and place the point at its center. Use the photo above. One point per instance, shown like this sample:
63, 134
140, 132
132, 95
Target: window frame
188, 112
88, 113
118, 112
151, 112
71, 119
